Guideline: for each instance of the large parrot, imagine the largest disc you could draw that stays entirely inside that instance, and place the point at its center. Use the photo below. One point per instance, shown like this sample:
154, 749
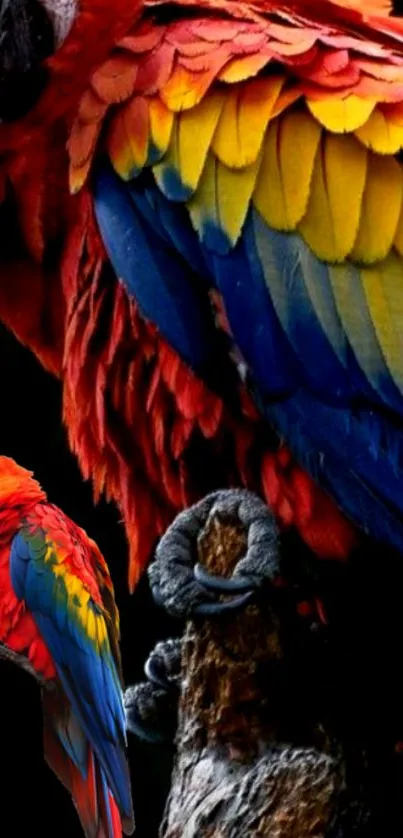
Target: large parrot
59, 621
208, 198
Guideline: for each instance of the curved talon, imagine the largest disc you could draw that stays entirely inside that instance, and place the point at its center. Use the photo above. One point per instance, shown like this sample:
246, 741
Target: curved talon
158, 597
223, 585
185, 589
217, 608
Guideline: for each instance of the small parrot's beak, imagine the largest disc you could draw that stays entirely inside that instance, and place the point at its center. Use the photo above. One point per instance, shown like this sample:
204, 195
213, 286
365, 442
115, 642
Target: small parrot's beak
26, 39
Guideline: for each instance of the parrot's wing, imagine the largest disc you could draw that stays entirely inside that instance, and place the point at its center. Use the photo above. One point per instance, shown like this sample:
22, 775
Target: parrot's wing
258, 151
51, 570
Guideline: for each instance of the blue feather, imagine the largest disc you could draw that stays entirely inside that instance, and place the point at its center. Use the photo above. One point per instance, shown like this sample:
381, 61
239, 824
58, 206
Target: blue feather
87, 672
335, 447
344, 422
156, 276
253, 320
173, 225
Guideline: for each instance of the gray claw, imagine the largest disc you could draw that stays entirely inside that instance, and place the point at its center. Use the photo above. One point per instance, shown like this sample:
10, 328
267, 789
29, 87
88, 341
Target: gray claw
184, 588
215, 609
222, 585
163, 666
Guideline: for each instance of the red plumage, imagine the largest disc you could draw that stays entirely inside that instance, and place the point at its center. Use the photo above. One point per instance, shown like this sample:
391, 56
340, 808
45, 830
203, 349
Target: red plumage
76, 561
136, 417
19, 493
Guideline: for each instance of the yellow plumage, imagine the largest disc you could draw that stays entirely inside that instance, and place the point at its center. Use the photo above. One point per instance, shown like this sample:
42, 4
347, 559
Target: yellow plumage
383, 289
244, 120
223, 197
331, 221
381, 134
341, 115
398, 240
161, 122
190, 141
355, 318
243, 68
185, 89
282, 187
381, 207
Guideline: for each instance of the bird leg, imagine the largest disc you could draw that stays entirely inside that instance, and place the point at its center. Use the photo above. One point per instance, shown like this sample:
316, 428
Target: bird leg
185, 588
151, 707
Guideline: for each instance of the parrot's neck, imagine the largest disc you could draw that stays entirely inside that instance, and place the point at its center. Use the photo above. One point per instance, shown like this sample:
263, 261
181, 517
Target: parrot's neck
98, 26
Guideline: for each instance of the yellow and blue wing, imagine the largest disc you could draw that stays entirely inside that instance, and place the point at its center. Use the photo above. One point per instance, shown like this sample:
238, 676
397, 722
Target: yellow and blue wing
258, 155
51, 576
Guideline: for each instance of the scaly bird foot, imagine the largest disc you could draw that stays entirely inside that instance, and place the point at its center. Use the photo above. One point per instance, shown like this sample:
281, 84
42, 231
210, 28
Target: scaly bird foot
151, 707
186, 589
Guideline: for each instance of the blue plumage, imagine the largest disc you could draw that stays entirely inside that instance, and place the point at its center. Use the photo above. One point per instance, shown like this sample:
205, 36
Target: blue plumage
80, 649
153, 272
328, 391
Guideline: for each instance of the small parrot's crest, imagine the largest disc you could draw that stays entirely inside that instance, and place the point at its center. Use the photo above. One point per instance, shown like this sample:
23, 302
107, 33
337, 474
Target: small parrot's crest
17, 485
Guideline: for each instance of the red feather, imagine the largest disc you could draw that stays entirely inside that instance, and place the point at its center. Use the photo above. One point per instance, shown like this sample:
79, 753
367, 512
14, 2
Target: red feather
137, 419
22, 502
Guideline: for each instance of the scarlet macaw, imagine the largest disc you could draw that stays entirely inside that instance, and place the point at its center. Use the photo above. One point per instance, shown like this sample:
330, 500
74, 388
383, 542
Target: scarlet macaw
209, 194
59, 621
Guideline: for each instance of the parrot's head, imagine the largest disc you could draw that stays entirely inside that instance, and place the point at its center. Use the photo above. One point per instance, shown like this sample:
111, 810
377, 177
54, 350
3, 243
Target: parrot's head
30, 31
18, 488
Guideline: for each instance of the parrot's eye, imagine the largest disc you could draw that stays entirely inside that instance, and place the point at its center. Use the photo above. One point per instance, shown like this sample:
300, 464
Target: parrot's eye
30, 31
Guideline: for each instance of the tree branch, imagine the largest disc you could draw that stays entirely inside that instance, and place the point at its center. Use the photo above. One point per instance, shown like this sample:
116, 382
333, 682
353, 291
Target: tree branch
235, 773
277, 730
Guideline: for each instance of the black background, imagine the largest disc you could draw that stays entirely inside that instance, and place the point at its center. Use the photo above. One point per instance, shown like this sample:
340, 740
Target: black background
32, 800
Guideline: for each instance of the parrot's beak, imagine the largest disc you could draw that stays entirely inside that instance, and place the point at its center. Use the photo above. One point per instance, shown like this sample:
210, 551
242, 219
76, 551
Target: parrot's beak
26, 40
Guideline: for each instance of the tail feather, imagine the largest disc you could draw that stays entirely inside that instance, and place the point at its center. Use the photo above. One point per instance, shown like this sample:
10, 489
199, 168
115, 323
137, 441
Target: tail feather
95, 804
109, 810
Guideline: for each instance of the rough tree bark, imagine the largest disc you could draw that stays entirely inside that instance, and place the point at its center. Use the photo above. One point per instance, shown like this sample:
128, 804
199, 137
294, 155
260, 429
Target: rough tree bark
273, 735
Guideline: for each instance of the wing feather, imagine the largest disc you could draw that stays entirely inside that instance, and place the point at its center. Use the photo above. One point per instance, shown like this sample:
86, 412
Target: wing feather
273, 144
72, 621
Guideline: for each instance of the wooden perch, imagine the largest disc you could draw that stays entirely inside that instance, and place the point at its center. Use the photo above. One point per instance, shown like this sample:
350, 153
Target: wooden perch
258, 751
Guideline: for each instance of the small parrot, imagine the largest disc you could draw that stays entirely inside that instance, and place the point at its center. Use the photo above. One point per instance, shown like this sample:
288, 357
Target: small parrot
59, 621
203, 238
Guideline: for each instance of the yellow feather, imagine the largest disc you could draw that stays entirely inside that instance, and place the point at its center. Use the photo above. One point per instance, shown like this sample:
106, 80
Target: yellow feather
239, 69
244, 119
355, 318
282, 187
138, 129
127, 138
161, 121
190, 141
185, 88
384, 293
381, 134
223, 198
331, 221
341, 115
90, 625
101, 630
398, 241
74, 585
381, 207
